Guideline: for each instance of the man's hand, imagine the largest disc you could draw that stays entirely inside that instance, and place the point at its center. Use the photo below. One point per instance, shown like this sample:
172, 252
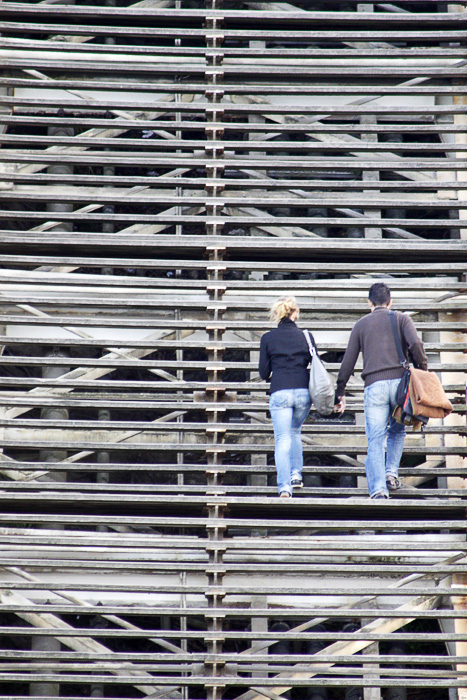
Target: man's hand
340, 407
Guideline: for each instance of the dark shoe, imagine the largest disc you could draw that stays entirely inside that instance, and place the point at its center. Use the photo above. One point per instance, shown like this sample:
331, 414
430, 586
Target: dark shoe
379, 495
297, 483
393, 483
285, 494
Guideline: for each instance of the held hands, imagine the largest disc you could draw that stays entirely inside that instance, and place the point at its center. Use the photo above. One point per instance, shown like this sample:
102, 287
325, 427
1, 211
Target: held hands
340, 407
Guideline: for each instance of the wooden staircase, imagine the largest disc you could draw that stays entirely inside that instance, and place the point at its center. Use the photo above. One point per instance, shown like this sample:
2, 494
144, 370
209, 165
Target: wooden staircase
167, 169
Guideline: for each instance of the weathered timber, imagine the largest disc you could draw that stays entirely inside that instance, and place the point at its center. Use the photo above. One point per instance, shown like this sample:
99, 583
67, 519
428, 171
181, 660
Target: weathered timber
187, 144
419, 127
236, 88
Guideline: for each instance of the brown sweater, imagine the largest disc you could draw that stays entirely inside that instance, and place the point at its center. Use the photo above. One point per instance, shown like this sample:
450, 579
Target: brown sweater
372, 336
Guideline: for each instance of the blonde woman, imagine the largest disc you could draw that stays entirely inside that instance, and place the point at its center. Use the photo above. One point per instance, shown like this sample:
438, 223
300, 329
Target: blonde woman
284, 358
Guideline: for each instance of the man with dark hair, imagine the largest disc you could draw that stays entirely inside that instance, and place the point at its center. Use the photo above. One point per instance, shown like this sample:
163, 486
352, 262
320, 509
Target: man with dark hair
372, 336
379, 294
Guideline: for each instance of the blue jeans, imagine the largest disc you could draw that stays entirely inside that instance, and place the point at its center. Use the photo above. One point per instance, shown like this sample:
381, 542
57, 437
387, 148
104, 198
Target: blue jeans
289, 408
383, 433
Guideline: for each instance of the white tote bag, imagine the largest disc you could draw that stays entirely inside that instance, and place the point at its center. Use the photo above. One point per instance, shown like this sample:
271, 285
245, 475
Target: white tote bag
321, 384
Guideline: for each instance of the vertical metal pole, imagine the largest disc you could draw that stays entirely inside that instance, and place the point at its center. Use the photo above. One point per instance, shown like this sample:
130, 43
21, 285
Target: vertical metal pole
50, 644
45, 643
456, 461
257, 460
371, 671
103, 457
394, 212
397, 647
459, 603
178, 315
258, 480
5, 167
260, 625
352, 692
371, 176
215, 291
44, 688
312, 647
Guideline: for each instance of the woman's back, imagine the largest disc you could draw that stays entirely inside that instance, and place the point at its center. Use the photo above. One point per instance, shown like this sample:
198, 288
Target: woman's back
284, 353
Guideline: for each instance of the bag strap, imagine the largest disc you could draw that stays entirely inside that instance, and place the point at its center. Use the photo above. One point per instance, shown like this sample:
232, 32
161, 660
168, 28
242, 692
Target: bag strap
397, 340
311, 347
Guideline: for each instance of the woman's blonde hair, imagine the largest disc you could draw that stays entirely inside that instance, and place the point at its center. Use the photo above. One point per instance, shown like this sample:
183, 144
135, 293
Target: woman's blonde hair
283, 308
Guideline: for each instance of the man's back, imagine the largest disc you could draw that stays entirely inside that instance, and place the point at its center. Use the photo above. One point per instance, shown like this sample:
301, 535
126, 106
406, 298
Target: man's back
372, 336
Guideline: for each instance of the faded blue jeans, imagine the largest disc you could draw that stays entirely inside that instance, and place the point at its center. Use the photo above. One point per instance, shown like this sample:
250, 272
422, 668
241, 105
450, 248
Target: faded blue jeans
289, 408
385, 436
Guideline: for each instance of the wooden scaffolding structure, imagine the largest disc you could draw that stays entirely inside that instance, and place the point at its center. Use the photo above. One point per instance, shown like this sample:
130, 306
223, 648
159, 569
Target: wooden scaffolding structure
167, 169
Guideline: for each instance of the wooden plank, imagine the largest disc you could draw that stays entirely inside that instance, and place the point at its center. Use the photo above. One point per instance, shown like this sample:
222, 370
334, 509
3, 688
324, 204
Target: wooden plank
352, 267
245, 662
258, 326
264, 200
142, 402
228, 657
251, 146
69, 120
261, 448
426, 52
245, 34
452, 250
135, 545
334, 525
198, 300
288, 162
245, 492
163, 468
23, 280
230, 185
238, 634
221, 219
225, 52
149, 426
233, 108
131, 587
232, 681
128, 385
229, 612
163, 567
189, 15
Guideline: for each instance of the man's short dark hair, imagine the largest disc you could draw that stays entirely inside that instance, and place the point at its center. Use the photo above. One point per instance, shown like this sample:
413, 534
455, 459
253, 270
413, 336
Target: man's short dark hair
379, 294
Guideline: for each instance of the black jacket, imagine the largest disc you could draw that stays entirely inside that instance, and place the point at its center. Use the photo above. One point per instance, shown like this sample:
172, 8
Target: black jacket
284, 353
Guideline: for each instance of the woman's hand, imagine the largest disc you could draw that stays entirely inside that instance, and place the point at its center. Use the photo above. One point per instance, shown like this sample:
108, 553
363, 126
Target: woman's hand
340, 407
